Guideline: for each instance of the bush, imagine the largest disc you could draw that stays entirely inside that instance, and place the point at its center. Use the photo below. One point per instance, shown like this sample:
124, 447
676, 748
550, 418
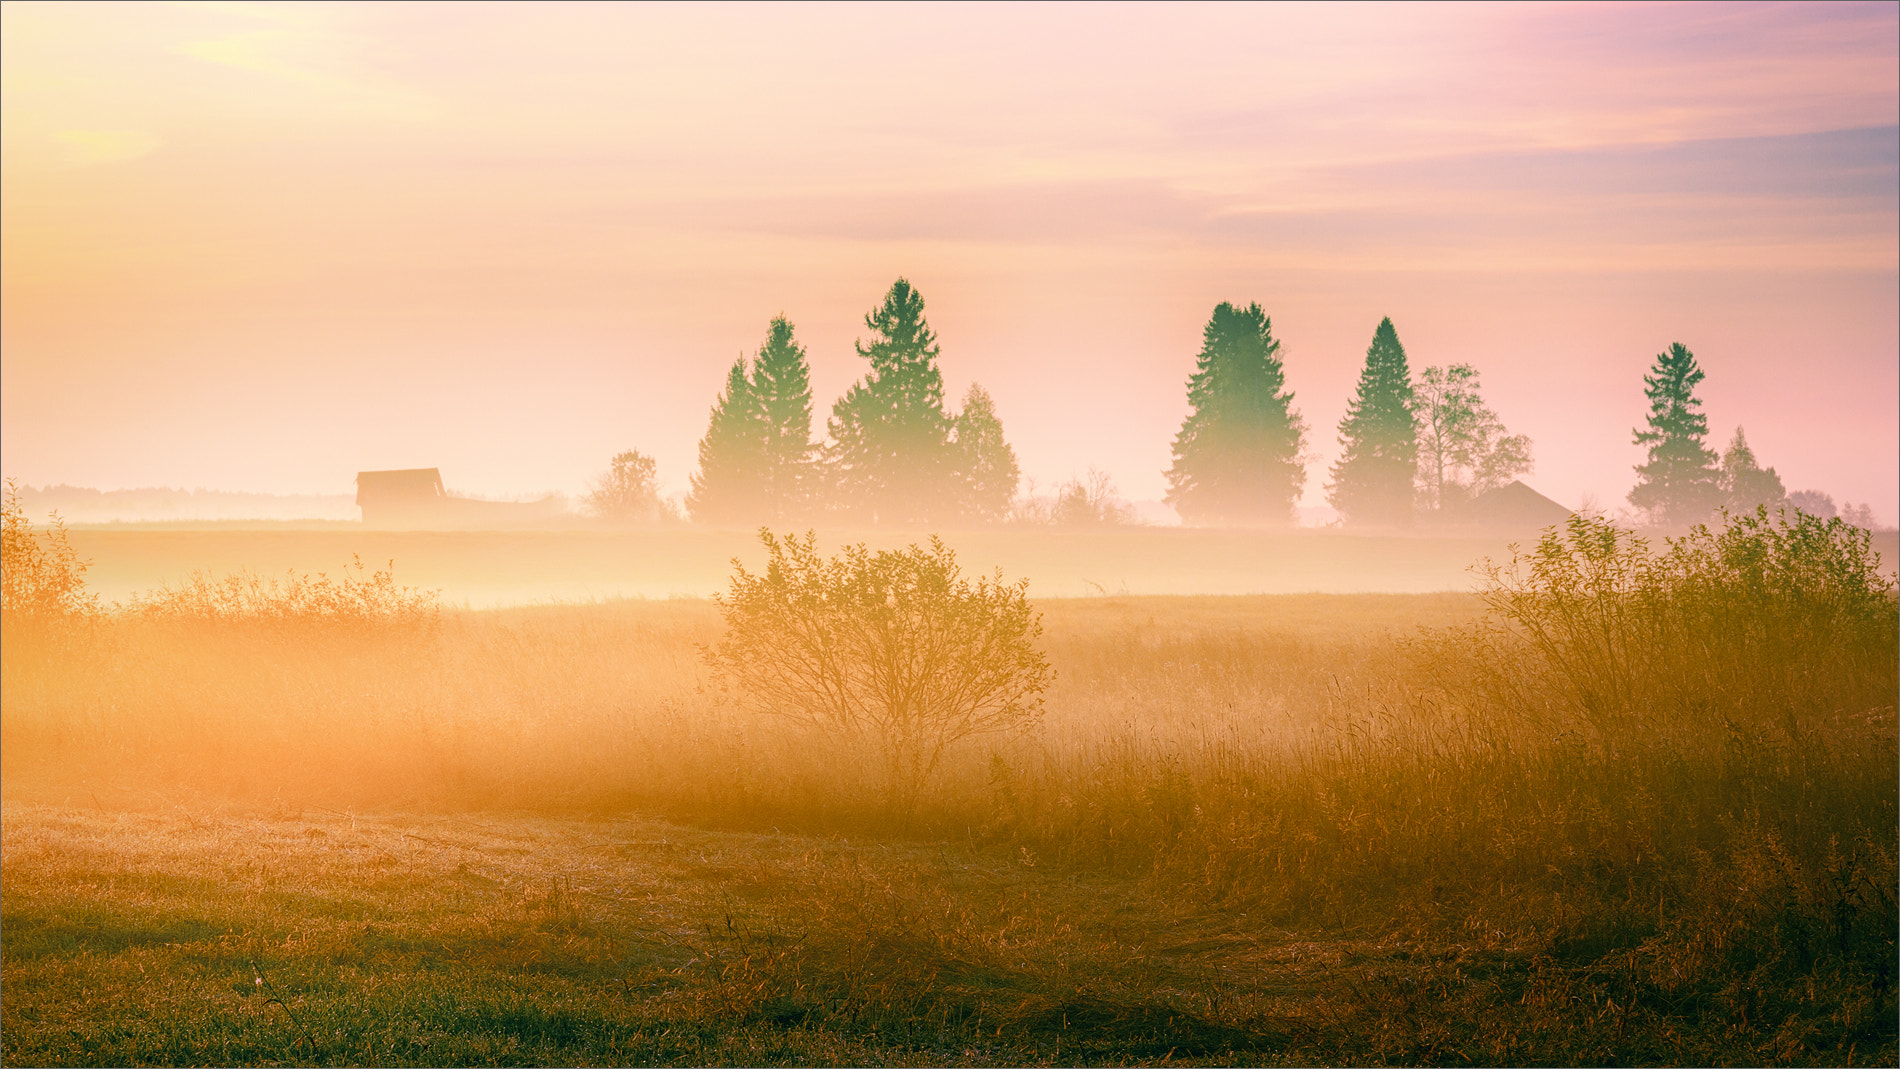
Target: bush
895, 649
41, 577
359, 600
1758, 627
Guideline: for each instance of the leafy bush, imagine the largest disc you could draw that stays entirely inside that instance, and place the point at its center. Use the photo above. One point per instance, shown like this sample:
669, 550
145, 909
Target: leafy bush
1758, 627
354, 600
41, 577
894, 648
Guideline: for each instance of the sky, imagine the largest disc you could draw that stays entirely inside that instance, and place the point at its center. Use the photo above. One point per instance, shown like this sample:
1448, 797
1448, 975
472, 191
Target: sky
260, 247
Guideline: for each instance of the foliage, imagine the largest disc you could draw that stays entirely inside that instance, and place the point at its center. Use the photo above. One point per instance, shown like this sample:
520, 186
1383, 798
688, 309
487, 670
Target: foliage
781, 385
357, 599
41, 576
1463, 450
1089, 502
629, 493
889, 458
1680, 482
1814, 503
1372, 482
986, 471
895, 648
1760, 627
1237, 458
756, 458
1745, 484
727, 488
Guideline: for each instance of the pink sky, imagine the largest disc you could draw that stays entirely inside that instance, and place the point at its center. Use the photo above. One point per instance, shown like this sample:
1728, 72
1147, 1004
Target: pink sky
262, 246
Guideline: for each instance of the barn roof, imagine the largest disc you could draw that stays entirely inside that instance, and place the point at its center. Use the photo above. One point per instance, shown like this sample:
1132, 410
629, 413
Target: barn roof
1513, 503
402, 483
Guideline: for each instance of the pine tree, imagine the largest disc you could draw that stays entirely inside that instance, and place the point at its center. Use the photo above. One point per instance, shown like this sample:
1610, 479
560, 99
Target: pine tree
889, 455
1679, 483
781, 388
1237, 456
727, 488
1745, 483
1372, 483
987, 473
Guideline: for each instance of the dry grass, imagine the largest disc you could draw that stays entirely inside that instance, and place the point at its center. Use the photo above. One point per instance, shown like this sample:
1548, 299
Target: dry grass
1280, 828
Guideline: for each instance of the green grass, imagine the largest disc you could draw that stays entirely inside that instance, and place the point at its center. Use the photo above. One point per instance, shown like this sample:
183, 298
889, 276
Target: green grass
139, 937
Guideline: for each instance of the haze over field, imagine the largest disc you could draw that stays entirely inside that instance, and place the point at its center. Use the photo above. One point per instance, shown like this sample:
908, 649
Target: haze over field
261, 247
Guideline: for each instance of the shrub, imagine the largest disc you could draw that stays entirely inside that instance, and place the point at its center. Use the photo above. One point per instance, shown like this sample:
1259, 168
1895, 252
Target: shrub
356, 600
895, 648
1757, 627
41, 577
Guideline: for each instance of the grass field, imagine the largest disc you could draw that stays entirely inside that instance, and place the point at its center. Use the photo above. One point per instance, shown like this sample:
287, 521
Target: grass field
1290, 828
494, 568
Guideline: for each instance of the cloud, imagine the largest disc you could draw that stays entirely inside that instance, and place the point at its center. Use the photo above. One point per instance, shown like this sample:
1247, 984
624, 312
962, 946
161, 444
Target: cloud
296, 49
86, 147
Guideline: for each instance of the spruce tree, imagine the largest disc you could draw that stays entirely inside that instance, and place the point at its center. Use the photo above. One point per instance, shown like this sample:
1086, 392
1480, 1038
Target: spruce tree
1372, 483
727, 489
781, 387
1679, 483
889, 454
1237, 456
987, 473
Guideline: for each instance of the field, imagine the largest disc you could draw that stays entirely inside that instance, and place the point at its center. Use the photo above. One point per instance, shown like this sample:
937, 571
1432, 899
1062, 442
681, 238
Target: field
1284, 828
493, 568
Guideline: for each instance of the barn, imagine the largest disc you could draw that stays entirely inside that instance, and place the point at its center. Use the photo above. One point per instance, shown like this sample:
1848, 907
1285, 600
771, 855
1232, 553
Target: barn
401, 498
415, 497
1511, 507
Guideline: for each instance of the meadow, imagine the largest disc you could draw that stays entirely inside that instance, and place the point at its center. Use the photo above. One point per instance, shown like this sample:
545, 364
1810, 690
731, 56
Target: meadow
1375, 828
489, 569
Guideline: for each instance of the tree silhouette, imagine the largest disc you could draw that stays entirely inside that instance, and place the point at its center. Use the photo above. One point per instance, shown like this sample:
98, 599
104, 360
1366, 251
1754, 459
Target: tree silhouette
755, 463
1372, 483
986, 468
629, 491
781, 388
1814, 503
1462, 448
1746, 485
729, 486
889, 458
1679, 483
1237, 456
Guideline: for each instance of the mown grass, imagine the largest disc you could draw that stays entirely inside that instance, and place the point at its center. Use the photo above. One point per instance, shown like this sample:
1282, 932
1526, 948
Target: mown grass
1257, 830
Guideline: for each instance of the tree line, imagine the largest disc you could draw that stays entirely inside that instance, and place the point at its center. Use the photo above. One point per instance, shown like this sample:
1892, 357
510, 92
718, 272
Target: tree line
894, 454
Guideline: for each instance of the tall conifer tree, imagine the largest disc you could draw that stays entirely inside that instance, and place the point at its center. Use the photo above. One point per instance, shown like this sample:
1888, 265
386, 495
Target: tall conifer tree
1372, 483
1237, 456
727, 488
889, 456
781, 385
1679, 483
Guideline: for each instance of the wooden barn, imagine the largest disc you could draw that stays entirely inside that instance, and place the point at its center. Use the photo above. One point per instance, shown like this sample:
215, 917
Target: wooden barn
1511, 507
401, 498
415, 497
